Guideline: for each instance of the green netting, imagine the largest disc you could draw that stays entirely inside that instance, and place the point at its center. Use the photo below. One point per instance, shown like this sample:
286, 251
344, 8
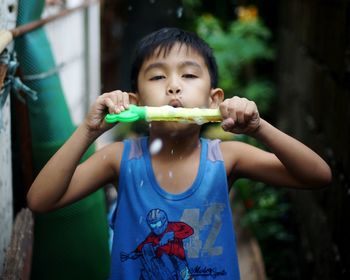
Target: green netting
71, 243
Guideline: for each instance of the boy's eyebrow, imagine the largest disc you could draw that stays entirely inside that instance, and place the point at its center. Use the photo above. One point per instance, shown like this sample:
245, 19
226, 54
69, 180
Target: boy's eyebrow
190, 63
182, 64
154, 65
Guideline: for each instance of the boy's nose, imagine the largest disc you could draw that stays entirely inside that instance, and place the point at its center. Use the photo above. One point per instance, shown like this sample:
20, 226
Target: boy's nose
174, 90
174, 87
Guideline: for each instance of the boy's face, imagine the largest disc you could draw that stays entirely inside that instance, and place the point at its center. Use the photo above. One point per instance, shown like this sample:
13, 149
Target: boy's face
179, 79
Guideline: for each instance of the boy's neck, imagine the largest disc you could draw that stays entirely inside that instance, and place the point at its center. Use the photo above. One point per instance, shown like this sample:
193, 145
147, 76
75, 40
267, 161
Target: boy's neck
174, 145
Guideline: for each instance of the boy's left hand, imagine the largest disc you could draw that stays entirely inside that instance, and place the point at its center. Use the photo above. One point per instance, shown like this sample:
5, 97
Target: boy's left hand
240, 115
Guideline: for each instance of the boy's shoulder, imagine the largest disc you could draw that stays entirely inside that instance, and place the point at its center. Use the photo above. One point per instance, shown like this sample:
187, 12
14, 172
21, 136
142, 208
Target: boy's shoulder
234, 148
111, 153
229, 144
232, 151
113, 146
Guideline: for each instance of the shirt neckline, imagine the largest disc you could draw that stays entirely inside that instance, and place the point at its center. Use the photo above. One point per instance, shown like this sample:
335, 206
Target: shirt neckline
160, 190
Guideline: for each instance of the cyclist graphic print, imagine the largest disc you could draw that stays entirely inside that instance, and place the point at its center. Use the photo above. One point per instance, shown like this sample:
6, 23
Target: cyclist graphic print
162, 253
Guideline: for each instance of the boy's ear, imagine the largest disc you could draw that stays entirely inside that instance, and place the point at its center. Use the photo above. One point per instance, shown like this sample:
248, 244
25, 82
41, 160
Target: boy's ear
133, 98
216, 97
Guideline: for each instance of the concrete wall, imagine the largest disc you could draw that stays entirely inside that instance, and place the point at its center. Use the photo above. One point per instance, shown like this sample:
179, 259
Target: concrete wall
314, 106
75, 42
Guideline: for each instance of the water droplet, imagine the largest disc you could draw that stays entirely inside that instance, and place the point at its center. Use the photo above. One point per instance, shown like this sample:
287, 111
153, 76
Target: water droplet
170, 174
179, 12
172, 152
155, 146
150, 125
129, 170
141, 183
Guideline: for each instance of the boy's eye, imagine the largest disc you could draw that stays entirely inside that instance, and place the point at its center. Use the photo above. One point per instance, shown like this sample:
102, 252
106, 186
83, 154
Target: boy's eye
155, 78
190, 76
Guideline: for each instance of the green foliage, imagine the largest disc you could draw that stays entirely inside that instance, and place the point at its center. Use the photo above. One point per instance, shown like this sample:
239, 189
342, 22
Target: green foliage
265, 208
262, 92
267, 215
237, 49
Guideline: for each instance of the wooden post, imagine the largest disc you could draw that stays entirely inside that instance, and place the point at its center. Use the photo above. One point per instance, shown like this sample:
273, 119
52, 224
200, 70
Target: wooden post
8, 18
18, 256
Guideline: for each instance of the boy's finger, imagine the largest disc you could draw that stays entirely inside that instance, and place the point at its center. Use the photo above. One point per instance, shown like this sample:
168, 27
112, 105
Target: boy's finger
232, 110
119, 99
250, 111
223, 110
110, 105
228, 124
240, 115
112, 95
114, 98
125, 96
240, 105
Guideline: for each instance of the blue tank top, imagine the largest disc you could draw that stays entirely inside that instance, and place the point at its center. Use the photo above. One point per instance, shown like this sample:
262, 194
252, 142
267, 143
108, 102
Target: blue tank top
159, 235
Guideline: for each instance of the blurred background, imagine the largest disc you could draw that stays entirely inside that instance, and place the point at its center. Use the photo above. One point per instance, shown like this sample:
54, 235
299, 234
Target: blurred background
291, 57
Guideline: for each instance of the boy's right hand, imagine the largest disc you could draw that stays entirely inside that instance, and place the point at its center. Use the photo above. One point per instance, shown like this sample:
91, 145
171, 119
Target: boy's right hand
112, 102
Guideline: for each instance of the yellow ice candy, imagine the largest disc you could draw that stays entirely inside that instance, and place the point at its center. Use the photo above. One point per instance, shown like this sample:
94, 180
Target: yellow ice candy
190, 115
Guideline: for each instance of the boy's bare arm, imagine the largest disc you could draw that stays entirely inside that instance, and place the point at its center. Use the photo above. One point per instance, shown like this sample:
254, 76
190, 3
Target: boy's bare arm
63, 180
290, 162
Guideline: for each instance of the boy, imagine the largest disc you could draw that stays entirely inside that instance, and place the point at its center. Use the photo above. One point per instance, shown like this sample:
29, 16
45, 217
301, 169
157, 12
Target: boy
173, 219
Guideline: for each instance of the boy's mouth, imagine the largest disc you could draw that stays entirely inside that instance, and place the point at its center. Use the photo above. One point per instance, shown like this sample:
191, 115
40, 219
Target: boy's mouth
175, 103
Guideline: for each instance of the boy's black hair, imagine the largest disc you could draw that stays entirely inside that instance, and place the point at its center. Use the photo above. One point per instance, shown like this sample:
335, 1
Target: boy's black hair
163, 40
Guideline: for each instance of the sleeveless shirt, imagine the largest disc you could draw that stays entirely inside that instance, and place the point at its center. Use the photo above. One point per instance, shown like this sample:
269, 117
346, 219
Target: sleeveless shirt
159, 235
